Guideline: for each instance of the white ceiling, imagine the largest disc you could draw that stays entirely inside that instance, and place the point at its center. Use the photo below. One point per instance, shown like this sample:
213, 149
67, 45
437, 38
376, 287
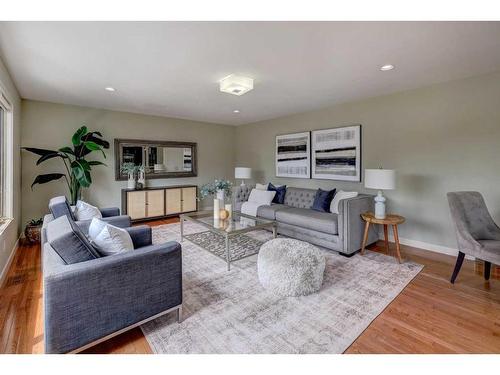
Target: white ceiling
172, 68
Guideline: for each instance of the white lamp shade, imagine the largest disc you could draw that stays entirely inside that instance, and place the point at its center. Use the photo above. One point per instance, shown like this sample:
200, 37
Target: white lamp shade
242, 173
380, 179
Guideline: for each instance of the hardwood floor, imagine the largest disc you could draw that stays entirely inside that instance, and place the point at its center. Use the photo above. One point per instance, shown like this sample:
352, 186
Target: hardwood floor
429, 316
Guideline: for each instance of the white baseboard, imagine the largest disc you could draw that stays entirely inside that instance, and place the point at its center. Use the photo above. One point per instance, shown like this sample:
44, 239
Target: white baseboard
427, 246
5, 270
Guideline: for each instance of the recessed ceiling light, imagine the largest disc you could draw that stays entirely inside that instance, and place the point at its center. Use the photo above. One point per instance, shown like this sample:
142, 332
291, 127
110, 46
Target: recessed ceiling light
236, 111
387, 67
110, 89
236, 85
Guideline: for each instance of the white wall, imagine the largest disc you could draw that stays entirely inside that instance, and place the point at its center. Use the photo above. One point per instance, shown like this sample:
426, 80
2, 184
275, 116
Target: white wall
49, 125
441, 138
10, 233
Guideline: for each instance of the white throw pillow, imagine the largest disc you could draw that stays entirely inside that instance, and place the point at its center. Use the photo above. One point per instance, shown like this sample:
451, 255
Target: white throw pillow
96, 226
113, 240
85, 211
334, 206
261, 186
261, 196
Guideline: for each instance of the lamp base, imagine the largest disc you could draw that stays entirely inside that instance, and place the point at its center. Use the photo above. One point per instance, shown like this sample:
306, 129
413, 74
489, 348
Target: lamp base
380, 206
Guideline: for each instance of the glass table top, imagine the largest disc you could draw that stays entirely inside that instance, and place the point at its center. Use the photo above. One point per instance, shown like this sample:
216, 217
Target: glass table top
237, 222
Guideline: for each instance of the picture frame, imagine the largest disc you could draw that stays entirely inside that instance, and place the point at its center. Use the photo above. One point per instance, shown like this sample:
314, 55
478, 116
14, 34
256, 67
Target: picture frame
293, 155
336, 153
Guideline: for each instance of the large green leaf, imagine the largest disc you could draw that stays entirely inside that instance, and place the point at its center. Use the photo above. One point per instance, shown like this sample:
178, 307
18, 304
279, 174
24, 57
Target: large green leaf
82, 150
77, 137
38, 151
95, 162
44, 178
50, 156
67, 150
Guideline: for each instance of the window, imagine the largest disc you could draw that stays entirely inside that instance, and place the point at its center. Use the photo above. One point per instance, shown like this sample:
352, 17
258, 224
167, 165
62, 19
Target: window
6, 158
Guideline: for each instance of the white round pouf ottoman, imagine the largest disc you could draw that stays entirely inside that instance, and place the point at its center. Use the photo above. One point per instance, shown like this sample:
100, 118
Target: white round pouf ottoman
290, 267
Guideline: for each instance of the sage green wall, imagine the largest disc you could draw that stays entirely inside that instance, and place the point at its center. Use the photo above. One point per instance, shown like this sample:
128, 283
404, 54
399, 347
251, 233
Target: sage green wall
10, 234
48, 125
440, 138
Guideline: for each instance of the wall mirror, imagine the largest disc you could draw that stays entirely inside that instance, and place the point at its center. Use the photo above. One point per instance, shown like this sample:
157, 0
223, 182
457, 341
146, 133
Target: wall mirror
161, 159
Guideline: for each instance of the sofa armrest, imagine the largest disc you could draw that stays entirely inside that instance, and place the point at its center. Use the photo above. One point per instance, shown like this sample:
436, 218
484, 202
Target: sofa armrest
141, 236
351, 225
240, 195
122, 221
90, 300
110, 211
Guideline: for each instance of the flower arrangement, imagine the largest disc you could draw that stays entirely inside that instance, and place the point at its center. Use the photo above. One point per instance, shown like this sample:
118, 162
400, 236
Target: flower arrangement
213, 187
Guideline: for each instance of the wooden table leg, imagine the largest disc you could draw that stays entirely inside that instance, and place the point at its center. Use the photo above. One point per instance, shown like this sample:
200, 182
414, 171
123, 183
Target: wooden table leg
365, 237
396, 240
386, 238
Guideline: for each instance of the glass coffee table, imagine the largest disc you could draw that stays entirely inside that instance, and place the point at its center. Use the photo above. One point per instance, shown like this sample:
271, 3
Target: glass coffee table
228, 229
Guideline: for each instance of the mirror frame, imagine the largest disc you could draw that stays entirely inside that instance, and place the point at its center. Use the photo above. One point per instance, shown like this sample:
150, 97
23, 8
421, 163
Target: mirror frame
119, 142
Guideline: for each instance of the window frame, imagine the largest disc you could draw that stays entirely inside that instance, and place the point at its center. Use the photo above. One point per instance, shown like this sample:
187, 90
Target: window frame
6, 157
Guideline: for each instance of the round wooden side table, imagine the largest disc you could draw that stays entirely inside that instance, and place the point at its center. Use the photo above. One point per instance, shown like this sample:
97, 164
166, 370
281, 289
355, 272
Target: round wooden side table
392, 220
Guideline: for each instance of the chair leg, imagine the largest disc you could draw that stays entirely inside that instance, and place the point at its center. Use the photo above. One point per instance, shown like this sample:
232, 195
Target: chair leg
458, 265
487, 270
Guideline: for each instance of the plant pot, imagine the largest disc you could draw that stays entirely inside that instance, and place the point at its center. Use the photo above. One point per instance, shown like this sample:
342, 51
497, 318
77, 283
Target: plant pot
32, 233
221, 195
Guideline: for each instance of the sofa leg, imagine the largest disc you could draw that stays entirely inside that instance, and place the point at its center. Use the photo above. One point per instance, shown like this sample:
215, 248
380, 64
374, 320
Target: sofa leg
347, 255
487, 270
179, 314
458, 265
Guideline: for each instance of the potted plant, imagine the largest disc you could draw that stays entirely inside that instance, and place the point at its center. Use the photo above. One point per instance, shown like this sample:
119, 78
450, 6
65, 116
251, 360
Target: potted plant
220, 189
130, 169
32, 230
77, 167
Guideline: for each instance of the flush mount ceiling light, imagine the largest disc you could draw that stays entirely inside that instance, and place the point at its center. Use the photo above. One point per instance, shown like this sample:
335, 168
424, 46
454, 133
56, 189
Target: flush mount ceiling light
386, 67
110, 89
236, 85
236, 111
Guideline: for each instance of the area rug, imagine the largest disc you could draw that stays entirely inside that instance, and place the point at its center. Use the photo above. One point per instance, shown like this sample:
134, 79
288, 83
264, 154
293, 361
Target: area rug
230, 312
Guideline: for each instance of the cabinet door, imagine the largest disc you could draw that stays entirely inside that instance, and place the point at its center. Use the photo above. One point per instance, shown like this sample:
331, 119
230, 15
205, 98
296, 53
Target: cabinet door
188, 199
155, 203
136, 204
173, 201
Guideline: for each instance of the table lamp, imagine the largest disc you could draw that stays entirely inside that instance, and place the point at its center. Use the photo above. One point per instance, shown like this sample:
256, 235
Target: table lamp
242, 173
380, 179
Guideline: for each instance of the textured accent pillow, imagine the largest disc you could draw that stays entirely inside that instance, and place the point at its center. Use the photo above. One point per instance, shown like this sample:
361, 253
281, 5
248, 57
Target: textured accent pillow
69, 242
334, 206
96, 226
261, 186
280, 193
322, 200
85, 211
113, 240
261, 196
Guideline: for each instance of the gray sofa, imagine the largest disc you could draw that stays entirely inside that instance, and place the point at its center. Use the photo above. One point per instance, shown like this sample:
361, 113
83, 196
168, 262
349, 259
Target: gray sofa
341, 232
90, 301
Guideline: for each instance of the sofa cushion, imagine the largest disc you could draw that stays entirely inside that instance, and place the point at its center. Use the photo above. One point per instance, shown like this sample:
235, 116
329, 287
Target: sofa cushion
302, 217
280, 193
59, 206
300, 198
269, 211
68, 240
322, 200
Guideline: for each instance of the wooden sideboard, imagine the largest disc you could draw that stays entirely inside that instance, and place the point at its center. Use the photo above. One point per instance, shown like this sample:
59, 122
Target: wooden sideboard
158, 202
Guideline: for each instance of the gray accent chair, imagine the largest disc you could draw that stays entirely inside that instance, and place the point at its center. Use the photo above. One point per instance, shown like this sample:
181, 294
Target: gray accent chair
59, 206
91, 301
477, 234
341, 232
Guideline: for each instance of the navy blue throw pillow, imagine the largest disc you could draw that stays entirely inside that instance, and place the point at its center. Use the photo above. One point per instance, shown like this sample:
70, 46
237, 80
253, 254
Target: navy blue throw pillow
279, 197
323, 199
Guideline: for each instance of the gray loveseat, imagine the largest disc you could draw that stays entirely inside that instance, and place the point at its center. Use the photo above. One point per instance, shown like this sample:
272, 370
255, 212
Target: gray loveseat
341, 232
90, 301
